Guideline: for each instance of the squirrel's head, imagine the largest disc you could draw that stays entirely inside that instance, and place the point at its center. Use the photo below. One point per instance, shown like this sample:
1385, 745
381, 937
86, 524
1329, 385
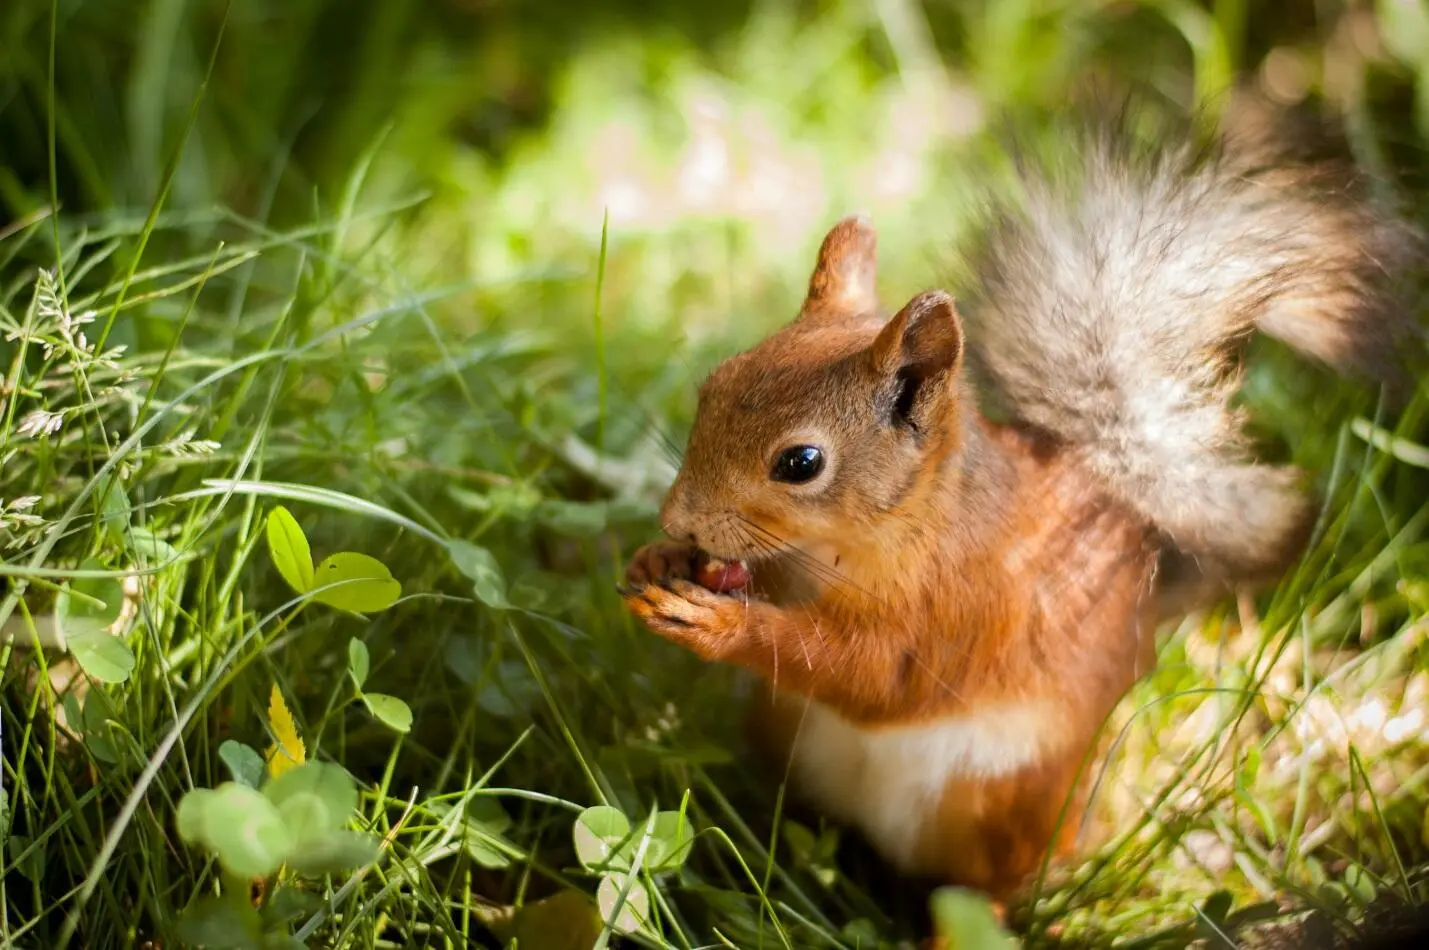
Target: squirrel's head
829, 428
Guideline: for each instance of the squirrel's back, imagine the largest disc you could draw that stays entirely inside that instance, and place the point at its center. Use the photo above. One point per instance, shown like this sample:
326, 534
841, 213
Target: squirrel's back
1109, 296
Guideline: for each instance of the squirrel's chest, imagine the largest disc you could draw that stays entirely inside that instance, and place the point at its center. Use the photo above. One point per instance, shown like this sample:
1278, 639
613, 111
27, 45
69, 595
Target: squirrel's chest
889, 781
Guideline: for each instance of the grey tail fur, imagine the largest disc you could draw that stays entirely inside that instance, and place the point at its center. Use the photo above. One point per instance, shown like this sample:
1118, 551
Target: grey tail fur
1110, 296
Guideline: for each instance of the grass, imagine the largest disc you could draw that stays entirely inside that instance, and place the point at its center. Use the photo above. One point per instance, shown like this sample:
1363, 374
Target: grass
443, 274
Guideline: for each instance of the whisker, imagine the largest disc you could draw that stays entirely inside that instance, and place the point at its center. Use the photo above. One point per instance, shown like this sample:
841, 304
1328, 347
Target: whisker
830, 575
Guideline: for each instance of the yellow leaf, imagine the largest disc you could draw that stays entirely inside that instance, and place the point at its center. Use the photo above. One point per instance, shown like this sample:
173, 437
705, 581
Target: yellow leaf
289, 752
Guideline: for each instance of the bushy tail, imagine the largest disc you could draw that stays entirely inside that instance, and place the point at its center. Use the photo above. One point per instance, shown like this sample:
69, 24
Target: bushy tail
1110, 296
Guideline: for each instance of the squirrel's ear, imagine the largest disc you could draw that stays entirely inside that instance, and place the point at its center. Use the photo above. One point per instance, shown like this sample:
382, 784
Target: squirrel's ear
845, 276
924, 340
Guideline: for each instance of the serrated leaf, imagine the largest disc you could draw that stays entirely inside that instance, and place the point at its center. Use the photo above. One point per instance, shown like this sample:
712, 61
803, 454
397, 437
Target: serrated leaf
365, 585
244, 830
244, 762
602, 838
288, 547
479, 566
635, 910
359, 664
966, 920
289, 752
389, 710
333, 852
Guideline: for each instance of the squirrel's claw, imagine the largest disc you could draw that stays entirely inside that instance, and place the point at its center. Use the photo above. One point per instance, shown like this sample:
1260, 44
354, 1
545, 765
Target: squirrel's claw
700, 620
660, 562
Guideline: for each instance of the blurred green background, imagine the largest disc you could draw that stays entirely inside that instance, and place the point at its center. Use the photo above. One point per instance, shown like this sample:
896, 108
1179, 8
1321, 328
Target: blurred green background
451, 271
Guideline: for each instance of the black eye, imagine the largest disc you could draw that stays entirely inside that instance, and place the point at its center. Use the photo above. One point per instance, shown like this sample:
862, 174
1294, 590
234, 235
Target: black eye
798, 464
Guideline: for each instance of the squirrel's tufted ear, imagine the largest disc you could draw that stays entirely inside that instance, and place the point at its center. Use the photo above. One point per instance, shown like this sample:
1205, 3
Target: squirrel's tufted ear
923, 340
846, 274
920, 351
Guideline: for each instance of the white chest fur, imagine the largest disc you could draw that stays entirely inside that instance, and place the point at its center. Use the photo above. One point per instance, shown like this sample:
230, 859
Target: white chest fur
888, 781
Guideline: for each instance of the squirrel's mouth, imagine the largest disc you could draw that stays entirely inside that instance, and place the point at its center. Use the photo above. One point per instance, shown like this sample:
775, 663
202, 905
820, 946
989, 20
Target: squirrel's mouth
721, 575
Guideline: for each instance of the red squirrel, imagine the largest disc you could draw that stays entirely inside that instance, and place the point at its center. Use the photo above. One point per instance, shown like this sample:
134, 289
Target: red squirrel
947, 608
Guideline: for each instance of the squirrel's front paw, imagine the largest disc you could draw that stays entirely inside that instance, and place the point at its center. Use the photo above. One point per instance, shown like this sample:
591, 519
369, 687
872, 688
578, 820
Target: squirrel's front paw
661, 561
710, 624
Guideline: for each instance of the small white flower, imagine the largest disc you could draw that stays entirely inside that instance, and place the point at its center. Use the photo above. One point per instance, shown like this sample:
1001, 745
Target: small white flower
23, 503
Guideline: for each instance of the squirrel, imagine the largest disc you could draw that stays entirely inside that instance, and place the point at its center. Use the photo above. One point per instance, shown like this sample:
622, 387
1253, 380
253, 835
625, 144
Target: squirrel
947, 608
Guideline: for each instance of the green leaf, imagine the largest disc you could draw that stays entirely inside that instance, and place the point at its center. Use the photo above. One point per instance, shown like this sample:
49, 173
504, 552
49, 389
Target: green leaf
486, 820
602, 838
966, 919
289, 902
636, 908
389, 710
103, 656
96, 722
358, 662
333, 852
511, 691
192, 817
480, 567
576, 519
148, 548
89, 604
486, 811
308, 818
282, 940
366, 584
32, 865
1361, 884
244, 762
288, 547
670, 841
85, 610
221, 925
327, 781
245, 830
114, 507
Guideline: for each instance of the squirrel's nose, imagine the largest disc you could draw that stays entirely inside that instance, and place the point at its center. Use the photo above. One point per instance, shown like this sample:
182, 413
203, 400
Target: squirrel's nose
675, 517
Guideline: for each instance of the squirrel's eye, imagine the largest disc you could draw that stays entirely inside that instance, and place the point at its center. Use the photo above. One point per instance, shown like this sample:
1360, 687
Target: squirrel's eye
798, 464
